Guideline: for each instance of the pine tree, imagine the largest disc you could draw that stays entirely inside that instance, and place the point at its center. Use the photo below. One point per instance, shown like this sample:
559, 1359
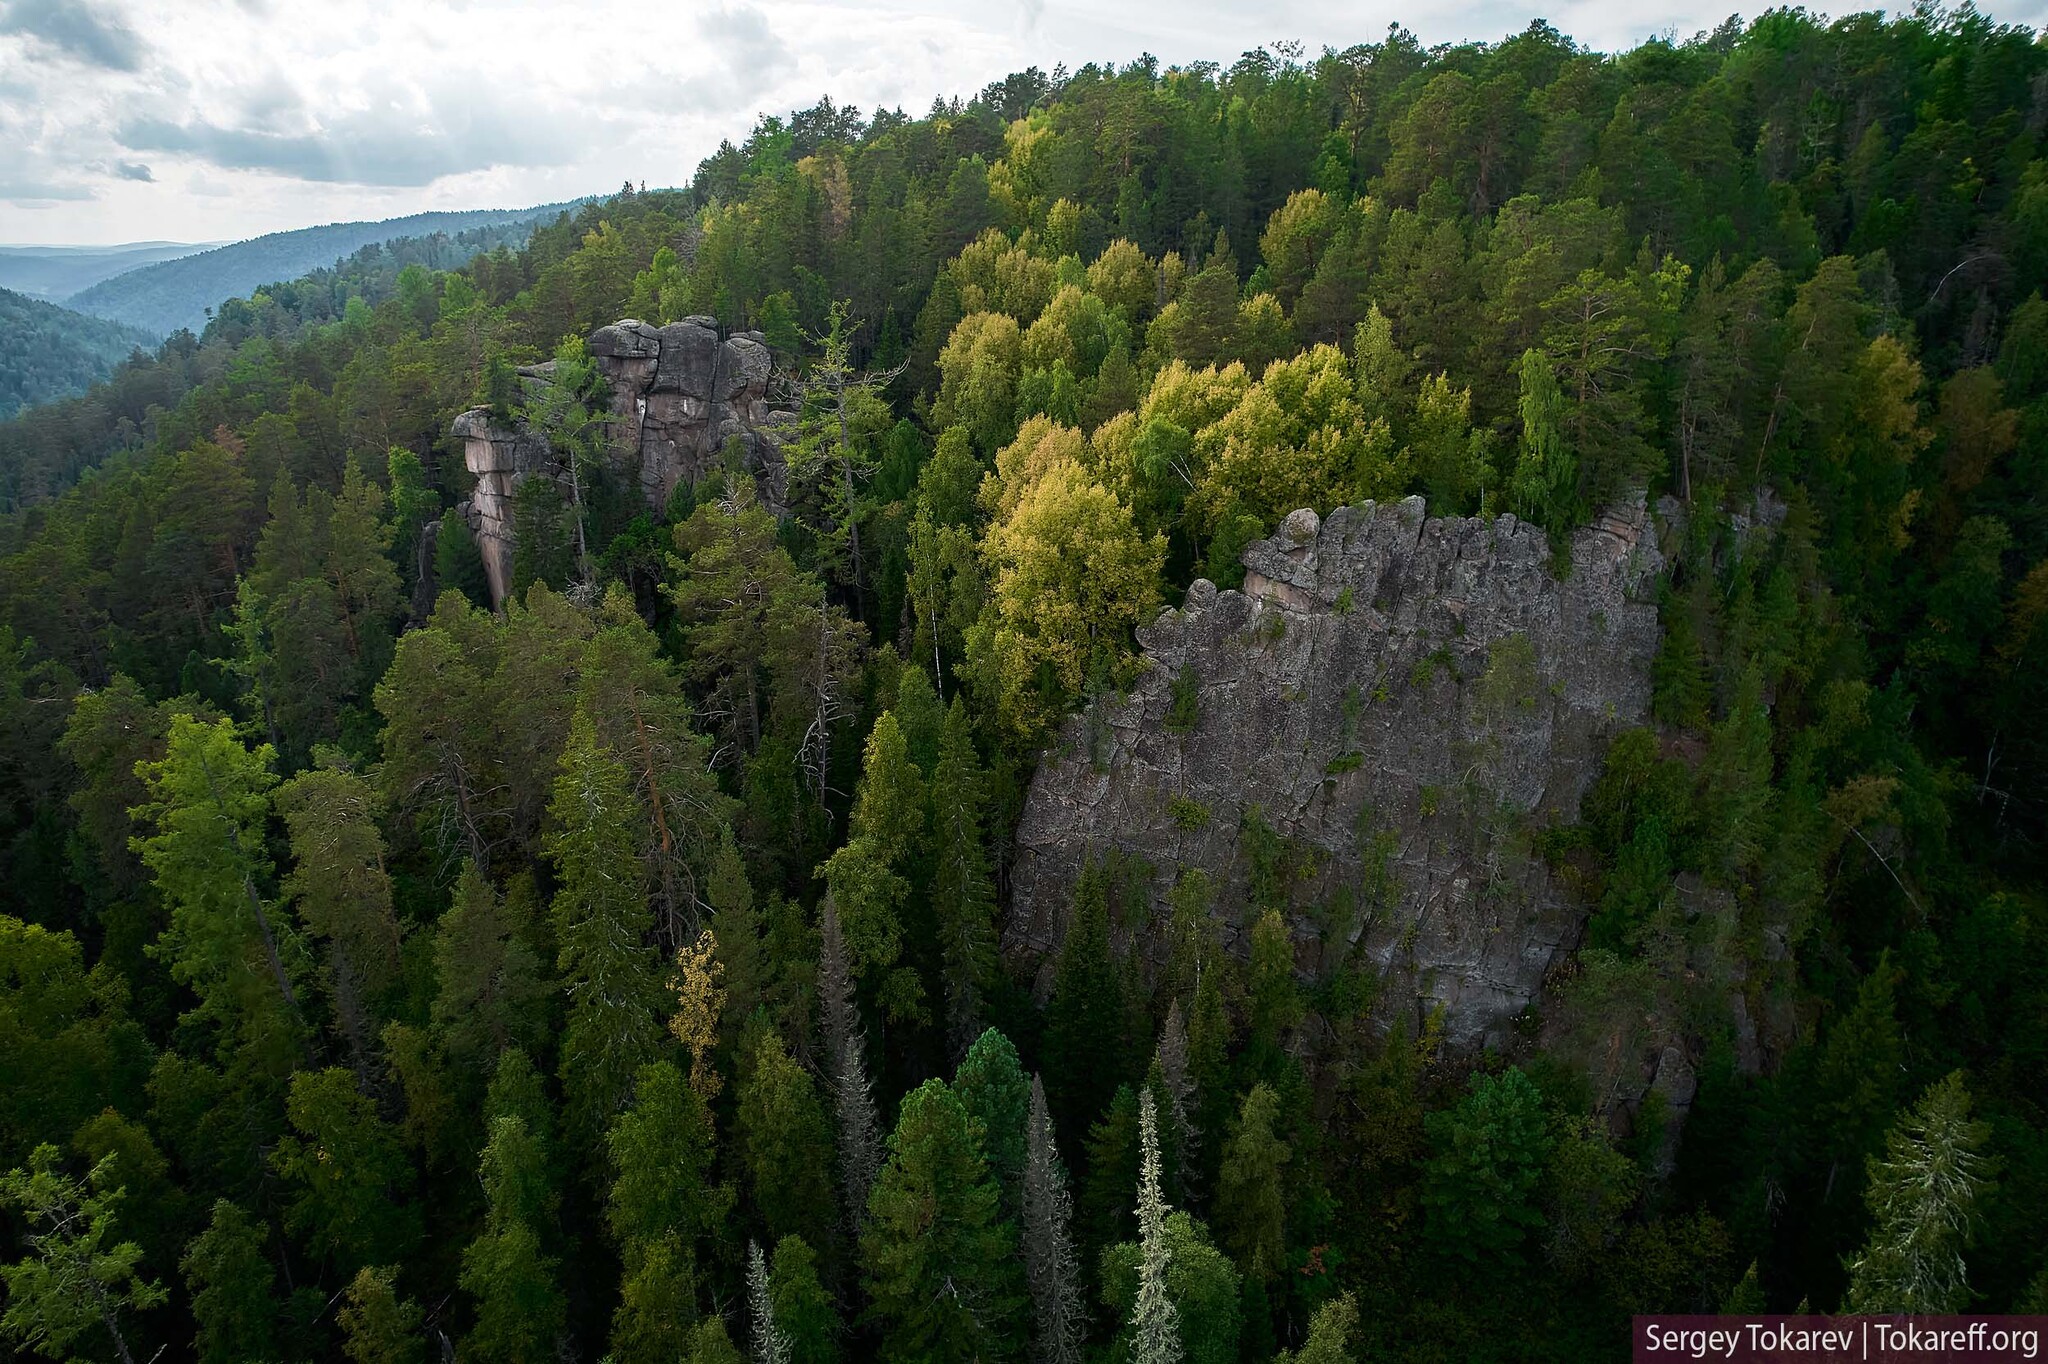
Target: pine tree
770, 1345
636, 701
491, 988
1058, 1323
1155, 1324
938, 1259
601, 924
963, 897
1923, 1196
860, 1142
73, 1284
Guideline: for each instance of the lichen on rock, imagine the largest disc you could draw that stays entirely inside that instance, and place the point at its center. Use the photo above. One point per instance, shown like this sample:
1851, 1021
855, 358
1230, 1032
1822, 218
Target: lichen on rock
1367, 736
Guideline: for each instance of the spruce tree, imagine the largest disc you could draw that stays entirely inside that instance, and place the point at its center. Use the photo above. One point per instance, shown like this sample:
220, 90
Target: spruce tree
770, 1346
1251, 1200
491, 988
860, 1142
661, 1151
785, 1137
1112, 1161
520, 1311
1923, 1196
351, 1178
938, 1259
229, 1277
635, 699
601, 925
1177, 1090
343, 896
803, 1309
992, 1087
1058, 1322
963, 896
1155, 1324
1085, 1017
1329, 1335
874, 874
378, 1326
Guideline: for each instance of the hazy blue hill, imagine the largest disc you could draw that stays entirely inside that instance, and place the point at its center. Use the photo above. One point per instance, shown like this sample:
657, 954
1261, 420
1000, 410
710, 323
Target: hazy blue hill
176, 293
48, 352
57, 272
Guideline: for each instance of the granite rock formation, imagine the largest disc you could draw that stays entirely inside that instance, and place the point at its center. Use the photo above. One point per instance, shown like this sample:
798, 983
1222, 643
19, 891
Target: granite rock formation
1367, 736
678, 394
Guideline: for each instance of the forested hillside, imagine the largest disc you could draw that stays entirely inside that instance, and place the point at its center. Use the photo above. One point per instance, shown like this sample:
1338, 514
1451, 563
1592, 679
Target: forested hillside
169, 295
615, 975
48, 352
55, 273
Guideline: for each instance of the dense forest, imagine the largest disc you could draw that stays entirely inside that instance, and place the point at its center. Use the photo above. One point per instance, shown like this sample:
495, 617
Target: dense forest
614, 974
50, 352
166, 296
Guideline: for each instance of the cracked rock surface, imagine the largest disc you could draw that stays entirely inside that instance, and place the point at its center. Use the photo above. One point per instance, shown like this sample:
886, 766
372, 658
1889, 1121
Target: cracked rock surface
1369, 736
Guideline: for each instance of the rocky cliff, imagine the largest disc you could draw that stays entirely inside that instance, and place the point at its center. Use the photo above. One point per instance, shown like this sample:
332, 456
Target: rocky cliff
1368, 735
677, 394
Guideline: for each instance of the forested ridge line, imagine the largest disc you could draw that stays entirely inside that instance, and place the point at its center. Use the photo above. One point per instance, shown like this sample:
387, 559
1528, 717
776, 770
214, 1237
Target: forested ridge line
614, 975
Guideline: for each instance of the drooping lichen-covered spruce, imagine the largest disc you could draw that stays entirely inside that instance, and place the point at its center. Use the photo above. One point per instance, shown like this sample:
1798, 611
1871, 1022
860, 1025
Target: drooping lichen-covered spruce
1367, 737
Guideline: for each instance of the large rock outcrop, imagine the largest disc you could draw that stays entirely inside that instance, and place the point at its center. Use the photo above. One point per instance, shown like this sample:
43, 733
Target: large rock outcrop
677, 395
498, 458
1373, 729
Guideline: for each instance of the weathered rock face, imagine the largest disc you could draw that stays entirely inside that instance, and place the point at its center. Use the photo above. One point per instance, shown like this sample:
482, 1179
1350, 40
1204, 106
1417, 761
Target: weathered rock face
678, 394
1370, 731
498, 459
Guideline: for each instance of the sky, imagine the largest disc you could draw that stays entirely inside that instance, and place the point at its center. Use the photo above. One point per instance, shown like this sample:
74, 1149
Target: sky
216, 120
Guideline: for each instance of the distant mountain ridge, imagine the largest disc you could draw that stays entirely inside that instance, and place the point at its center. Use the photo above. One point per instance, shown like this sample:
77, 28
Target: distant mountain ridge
48, 352
170, 294
55, 273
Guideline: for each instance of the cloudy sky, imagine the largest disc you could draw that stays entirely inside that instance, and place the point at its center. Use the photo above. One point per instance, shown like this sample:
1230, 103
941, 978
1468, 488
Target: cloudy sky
208, 120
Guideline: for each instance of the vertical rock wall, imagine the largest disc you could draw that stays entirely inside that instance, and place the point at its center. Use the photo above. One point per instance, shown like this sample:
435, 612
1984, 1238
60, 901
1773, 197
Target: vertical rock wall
1401, 703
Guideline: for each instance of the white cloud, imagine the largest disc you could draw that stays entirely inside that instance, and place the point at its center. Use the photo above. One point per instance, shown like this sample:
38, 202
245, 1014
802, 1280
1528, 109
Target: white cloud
219, 119
74, 30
